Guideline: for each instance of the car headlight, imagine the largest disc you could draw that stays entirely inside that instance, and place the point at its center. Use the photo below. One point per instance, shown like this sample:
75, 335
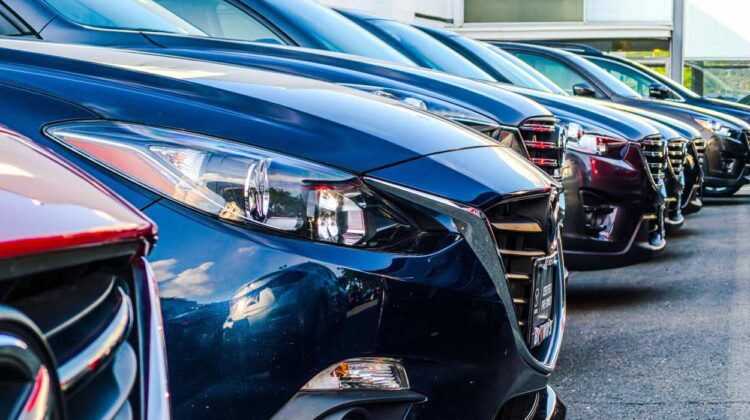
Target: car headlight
240, 183
712, 126
576, 138
453, 112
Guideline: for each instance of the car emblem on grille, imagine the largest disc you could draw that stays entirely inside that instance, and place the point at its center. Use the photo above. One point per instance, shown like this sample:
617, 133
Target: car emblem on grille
40, 402
553, 220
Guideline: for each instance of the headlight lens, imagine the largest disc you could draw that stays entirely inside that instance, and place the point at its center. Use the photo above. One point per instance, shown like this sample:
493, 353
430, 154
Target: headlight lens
240, 183
595, 144
453, 112
712, 126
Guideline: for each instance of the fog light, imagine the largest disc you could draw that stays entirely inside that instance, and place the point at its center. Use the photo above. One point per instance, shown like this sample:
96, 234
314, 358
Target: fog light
360, 374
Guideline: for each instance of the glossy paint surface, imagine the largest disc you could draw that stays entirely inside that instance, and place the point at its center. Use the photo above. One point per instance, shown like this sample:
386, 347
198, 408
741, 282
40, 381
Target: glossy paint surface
624, 185
251, 315
254, 317
246, 105
718, 146
322, 63
47, 205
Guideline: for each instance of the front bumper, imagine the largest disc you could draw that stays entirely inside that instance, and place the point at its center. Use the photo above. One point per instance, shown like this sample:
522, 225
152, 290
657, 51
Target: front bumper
734, 182
727, 160
447, 316
543, 404
614, 211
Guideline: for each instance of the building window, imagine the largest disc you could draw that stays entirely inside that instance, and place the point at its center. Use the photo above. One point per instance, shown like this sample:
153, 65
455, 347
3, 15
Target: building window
523, 10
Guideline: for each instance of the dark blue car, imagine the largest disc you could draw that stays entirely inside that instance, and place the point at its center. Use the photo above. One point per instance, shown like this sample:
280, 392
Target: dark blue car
322, 251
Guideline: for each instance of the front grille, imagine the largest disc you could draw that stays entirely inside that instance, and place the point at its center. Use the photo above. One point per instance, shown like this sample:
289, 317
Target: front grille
542, 139
525, 231
656, 159
700, 145
86, 314
677, 151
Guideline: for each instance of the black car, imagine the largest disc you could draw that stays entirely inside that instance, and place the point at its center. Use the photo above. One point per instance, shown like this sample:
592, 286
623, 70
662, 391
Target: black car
650, 83
726, 167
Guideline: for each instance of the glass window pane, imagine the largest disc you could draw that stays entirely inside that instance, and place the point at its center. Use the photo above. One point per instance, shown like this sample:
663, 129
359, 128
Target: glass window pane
727, 80
338, 33
220, 19
554, 70
633, 79
7, 28
434, 53
512, 73
123, 14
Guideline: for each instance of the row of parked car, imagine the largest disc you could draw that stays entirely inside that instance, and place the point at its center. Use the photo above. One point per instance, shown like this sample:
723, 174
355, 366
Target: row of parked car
357, 218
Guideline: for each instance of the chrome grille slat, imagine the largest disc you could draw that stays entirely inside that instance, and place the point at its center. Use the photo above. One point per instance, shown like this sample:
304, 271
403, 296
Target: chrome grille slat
97, 352
113, 388
700, 145
520, 253
519, 249
676, 152
542, 137
85, 313
656, 158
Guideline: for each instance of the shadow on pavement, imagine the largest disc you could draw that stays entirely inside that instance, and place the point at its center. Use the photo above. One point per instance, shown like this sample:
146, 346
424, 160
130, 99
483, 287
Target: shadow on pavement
607, 298
680, 233
737, 200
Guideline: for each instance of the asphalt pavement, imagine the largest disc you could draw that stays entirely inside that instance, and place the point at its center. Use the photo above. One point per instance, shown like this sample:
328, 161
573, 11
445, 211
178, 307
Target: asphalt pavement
670, 338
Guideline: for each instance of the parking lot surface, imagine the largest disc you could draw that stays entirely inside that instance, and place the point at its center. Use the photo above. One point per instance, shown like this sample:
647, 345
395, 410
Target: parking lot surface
668, 338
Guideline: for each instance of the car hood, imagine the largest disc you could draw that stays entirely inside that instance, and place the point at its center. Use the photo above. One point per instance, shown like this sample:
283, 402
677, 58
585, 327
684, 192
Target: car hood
591, 114
505, 107
686, 113
479, 177
53, 206
734, 109
317, 121
682, 129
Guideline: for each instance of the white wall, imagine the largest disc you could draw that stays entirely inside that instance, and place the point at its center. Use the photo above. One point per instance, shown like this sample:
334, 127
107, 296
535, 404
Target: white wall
628, 11
717, 29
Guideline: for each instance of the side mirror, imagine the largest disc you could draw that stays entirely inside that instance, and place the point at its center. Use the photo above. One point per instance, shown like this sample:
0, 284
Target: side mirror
658, 91
584, 89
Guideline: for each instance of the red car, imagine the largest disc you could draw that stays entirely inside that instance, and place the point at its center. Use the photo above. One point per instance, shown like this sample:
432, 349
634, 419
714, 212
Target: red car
80, 325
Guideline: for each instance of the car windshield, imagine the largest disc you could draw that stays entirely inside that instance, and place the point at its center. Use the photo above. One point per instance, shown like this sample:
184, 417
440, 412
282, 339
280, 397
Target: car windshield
514, 74
143, 15
619, 88
531, 71
434, 53
338, 33
222, 19
682, 90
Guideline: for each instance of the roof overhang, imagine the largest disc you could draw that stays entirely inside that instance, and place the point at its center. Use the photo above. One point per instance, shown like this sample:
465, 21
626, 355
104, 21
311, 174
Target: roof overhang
563, 31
